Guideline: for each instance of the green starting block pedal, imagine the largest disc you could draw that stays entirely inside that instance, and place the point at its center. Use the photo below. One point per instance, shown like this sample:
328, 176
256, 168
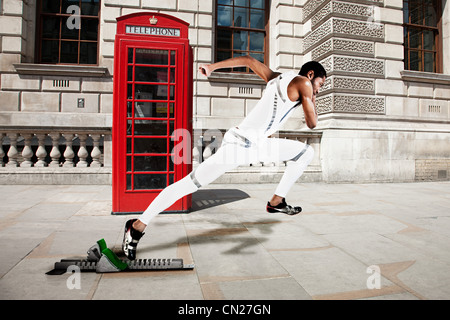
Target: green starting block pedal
100, 259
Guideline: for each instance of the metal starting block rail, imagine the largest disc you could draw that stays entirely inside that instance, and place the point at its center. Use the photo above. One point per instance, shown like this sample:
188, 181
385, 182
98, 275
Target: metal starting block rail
107, 261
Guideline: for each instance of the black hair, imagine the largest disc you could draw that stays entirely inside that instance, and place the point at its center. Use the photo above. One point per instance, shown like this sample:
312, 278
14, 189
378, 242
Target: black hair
319, 70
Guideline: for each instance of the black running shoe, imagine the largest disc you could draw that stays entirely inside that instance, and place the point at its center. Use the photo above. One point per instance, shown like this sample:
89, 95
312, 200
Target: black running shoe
283, 207
131, 239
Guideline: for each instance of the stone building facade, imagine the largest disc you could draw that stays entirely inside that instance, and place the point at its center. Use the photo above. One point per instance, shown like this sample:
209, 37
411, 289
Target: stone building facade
379, 119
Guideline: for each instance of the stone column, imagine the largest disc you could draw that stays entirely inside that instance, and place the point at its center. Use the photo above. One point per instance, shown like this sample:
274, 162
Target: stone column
344, 38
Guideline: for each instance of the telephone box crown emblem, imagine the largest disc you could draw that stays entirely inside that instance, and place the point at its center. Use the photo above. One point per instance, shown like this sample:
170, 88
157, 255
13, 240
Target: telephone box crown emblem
153, 20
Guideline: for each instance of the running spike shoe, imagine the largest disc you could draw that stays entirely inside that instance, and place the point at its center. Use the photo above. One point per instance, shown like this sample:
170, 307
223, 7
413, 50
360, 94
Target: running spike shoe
283, 207
131, 239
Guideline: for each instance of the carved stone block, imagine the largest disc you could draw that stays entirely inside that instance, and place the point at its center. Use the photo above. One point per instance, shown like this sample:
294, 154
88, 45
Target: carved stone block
344, 28
344, 103
342, 65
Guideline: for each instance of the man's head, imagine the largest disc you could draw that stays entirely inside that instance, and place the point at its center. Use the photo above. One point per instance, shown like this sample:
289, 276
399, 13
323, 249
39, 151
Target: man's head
316, 73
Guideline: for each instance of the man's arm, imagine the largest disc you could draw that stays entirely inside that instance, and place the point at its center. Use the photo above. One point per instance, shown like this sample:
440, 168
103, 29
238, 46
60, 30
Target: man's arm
259, 68
300, 89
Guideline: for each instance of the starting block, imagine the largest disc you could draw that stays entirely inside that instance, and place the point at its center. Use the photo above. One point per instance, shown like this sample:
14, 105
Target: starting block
100, 259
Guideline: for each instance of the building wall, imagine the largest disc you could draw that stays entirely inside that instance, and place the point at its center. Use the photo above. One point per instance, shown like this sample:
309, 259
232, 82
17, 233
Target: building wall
380, 122
377, 122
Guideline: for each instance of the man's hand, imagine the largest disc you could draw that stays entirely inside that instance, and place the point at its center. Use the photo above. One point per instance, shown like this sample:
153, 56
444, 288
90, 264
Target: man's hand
205, 70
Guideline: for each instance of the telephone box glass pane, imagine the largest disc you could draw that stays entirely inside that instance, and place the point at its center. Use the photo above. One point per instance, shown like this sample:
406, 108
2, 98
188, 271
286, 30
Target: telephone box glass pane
172, 109
142, 146
149, 74
129, 127
130, 75
151, 110
150, 163
130, 55
129, 178
149, 56
150, 92
172, 75
150, 128
129, 168
129, 145
150, 181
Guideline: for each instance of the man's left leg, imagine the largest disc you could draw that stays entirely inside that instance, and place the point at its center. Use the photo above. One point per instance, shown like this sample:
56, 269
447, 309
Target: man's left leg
299, 155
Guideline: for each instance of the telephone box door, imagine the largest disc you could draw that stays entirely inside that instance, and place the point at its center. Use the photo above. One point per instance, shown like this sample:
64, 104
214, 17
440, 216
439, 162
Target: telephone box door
151, 105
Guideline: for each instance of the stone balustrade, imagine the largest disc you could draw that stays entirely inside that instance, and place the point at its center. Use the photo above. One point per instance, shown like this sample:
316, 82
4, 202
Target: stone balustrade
207, 143
55, 156
38, 148
83, 156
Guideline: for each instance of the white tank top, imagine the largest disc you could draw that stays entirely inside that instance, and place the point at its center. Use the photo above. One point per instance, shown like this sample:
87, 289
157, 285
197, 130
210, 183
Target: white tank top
272, 111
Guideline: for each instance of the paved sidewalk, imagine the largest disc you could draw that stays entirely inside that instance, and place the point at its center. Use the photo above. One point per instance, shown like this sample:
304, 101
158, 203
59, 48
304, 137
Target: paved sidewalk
239, 250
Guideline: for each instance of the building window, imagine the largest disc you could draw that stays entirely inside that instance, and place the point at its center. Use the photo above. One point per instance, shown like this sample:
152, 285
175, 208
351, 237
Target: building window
241, 29
68, 31
422, 38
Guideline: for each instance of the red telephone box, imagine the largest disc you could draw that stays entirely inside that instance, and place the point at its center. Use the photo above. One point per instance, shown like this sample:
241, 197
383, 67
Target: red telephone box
152, 101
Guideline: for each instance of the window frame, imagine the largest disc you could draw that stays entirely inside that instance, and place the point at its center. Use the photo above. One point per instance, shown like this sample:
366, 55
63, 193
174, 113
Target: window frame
248, 29
39, 35
407, 26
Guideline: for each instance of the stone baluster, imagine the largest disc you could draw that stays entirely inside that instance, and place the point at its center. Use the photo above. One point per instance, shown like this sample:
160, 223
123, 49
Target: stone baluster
96, 153
12, 152
82, 152
55, 154
195, 156
27, 152
2, 152
68, 153
210, 148
41, 153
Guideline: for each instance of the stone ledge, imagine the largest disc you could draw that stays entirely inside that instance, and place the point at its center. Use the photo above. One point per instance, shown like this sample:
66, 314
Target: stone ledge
229, 77
269, 176
55, 176
428, 77
56, 120
103, 176
60, 70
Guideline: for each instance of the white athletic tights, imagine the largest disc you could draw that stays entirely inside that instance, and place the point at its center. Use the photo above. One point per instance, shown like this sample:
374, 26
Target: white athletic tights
236, 150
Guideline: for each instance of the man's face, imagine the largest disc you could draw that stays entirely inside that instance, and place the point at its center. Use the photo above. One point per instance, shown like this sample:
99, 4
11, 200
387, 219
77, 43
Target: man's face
317, 83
